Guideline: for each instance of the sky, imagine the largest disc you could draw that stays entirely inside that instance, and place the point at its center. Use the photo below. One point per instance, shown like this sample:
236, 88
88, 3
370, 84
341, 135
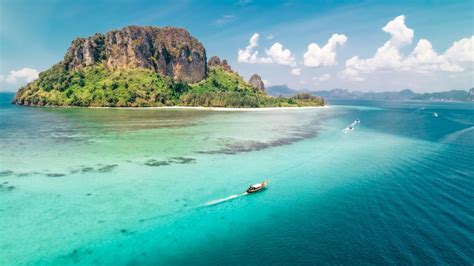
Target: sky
421, 45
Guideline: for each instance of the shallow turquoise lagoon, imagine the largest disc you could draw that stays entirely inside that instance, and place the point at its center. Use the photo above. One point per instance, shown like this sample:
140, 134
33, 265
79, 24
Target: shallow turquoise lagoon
119, 186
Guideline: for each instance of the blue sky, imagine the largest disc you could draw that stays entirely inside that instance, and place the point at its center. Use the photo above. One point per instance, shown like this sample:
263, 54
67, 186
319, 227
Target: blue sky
36, 34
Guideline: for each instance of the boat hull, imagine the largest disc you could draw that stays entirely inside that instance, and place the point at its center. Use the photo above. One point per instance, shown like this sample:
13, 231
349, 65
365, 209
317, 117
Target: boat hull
255, 190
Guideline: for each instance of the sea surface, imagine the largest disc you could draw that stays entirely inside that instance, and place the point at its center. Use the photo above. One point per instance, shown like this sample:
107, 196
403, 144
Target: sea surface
140, 186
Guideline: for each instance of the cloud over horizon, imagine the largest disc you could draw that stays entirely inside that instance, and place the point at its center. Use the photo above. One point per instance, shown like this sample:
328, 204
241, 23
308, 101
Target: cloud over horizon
22, 75
276, 54
317, 56
423, 58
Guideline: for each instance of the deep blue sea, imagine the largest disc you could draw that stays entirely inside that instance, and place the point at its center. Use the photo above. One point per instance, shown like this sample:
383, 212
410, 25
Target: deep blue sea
165, 187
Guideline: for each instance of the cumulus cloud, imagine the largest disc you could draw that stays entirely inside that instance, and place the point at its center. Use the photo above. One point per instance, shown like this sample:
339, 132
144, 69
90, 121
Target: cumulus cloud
248, 55
425, 59
317, 56
276, 54
296, 71
422, 59
461, 51
25, 74
401, 34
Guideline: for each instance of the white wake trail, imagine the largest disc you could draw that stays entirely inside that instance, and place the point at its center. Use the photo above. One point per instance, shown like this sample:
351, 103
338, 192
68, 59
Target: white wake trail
453, 136
217, 201
350, 127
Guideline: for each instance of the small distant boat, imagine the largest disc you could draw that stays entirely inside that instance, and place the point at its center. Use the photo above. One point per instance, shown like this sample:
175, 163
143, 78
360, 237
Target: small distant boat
435, 114
257, 187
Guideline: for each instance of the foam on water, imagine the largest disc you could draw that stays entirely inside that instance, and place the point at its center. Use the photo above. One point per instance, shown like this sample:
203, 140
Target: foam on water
231, 197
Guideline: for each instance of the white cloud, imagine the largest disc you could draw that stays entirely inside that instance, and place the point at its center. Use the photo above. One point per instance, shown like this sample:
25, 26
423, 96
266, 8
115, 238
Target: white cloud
296, 71
388, 56
249, 55
425, 59
461, 51
350, 73
270, 37
25, 74
266, 82
422, 59
323, 77
276, 54
316, 56
401, 34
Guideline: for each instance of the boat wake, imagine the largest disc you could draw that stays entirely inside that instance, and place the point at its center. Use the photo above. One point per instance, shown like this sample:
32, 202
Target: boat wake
217, 201
350, 127
459, 121
453, 136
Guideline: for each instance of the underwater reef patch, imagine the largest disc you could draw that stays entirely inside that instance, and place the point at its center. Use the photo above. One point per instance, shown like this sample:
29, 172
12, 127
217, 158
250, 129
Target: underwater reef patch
231, 146
5, 187
55, 174
6, 173
106, 168
181, 160
100, 168
87, 169
19, 174
156, 163
169, 161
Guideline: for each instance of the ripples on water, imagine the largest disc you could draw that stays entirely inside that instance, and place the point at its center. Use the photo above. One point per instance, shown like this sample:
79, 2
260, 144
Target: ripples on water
132, 185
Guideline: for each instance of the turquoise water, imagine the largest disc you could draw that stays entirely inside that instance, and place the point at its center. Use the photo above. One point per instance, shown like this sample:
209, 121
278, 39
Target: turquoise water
115, 186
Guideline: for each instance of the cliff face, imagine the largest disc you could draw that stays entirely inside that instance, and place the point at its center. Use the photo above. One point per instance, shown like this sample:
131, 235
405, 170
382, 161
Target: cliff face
144, 67
256, 82
216, 61
168, 51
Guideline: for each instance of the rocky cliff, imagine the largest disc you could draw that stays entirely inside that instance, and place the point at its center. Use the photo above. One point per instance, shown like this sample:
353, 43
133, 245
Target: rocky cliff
171, 52
145, 67
256, 82
216, 61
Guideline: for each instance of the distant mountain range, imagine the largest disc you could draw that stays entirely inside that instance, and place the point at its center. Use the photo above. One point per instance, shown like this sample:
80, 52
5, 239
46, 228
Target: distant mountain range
453, 95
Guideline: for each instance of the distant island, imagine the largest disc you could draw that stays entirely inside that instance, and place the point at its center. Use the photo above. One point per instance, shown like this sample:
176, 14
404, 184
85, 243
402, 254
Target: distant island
148, 67
453, 95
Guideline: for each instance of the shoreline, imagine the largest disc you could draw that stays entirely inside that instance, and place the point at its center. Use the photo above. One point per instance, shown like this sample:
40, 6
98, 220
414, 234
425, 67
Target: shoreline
201, 108
224, 109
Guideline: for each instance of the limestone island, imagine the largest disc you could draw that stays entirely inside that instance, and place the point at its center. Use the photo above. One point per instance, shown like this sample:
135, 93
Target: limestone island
148, 67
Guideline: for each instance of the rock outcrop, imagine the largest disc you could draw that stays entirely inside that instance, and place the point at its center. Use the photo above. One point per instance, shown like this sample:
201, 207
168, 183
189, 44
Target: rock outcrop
256, 82
171, 52
216, 61
145, 67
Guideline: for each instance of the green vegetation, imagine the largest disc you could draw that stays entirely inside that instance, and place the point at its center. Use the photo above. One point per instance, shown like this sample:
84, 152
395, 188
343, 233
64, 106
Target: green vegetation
136, 87
100, 86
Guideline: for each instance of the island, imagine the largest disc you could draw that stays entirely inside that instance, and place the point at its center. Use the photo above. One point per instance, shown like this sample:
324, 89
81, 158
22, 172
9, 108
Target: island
148, 67
402, 95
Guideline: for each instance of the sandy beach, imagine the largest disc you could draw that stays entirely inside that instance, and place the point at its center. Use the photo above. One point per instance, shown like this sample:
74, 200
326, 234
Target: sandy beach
225, 109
